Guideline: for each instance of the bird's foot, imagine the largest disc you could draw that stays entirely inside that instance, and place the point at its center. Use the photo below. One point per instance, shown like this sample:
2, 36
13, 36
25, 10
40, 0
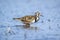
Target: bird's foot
26, 26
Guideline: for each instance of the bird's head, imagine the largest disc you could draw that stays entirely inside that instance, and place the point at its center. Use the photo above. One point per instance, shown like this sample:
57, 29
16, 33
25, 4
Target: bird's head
37, 14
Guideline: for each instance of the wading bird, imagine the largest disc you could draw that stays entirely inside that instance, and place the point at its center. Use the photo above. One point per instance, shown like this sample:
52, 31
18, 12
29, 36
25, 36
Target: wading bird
27, 20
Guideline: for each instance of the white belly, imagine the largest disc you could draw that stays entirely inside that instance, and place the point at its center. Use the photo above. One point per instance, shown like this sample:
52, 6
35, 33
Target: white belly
33, 21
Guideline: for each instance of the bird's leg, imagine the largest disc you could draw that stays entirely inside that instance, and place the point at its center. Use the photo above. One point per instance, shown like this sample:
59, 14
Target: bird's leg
27, 25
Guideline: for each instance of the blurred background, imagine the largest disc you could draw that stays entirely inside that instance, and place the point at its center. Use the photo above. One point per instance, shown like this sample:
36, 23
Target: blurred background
49, 23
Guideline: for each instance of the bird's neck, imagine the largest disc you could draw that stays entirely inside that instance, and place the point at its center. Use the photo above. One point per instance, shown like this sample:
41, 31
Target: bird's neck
36, 19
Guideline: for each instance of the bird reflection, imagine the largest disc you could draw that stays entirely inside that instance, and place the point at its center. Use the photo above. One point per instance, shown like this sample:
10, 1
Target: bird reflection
26, 27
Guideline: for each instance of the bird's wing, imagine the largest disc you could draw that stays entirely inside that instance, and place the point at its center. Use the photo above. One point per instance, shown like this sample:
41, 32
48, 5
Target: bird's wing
28, 18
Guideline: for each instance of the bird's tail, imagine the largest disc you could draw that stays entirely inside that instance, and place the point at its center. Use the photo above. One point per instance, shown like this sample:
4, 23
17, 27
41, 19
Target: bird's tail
16, 18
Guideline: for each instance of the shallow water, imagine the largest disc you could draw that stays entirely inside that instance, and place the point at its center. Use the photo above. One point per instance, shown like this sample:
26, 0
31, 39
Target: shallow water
48, 27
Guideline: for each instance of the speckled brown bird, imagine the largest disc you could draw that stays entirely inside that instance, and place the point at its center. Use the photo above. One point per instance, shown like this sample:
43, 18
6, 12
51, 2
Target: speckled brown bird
27, 20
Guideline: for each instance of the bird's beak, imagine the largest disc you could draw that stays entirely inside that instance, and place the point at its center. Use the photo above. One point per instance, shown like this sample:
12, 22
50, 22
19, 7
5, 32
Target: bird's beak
42, 15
